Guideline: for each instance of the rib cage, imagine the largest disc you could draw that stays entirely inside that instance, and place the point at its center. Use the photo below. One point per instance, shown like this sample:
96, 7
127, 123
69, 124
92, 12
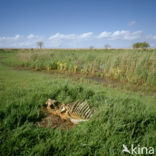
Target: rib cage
79, 109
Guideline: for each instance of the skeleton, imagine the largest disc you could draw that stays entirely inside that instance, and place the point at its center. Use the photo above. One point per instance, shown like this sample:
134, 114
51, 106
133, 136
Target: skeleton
51, 103
76, 112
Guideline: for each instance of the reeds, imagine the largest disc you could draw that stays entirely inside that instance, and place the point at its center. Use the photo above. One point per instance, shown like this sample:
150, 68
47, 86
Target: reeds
132, 66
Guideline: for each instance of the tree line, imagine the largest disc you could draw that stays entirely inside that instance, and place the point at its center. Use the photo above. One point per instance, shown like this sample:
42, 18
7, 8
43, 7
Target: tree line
137, 45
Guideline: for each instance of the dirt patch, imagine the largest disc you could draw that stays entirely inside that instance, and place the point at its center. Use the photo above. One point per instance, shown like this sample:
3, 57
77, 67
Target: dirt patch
54, 121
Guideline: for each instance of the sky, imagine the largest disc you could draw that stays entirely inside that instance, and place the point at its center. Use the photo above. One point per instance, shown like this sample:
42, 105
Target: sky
77, 23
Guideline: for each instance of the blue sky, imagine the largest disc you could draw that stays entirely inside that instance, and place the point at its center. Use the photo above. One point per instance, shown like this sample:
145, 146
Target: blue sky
77, 23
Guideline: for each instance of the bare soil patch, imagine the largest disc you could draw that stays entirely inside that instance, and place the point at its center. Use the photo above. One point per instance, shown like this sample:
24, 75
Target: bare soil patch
54, 121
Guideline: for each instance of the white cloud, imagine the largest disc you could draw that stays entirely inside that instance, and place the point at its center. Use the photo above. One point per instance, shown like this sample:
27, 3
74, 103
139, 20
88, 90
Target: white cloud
16, 37
69, 40
120, 35
154, 37
104, 34
126, 35
62, 36
71, 36
57, 36
31, 36
18, 41
131, 23
119, 38
86, 35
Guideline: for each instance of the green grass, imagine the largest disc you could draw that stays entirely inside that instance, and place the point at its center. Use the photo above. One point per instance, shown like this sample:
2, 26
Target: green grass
136, 67
120, 117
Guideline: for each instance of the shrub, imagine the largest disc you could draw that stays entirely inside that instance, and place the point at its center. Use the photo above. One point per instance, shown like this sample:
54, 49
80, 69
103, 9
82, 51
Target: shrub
142, 45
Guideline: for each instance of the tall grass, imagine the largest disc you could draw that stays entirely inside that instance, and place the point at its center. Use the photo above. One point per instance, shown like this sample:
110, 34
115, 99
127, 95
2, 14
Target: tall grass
133, 66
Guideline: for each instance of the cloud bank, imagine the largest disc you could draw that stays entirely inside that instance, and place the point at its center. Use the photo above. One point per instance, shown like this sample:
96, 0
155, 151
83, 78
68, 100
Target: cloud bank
120, 35
117, 39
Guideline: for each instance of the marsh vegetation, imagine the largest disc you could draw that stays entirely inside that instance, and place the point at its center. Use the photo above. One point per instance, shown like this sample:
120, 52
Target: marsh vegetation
121, 117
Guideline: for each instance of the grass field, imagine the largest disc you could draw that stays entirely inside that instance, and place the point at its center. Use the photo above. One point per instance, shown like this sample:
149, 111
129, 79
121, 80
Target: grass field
121, 116
135, 67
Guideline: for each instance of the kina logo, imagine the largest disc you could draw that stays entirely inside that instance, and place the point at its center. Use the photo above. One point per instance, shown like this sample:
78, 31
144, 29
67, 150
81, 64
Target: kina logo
138, 150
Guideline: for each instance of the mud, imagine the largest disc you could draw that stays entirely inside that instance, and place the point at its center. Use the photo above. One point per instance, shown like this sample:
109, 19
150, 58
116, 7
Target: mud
54, 121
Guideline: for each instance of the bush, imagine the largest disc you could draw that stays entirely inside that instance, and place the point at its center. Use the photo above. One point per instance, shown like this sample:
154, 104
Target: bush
142, 45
